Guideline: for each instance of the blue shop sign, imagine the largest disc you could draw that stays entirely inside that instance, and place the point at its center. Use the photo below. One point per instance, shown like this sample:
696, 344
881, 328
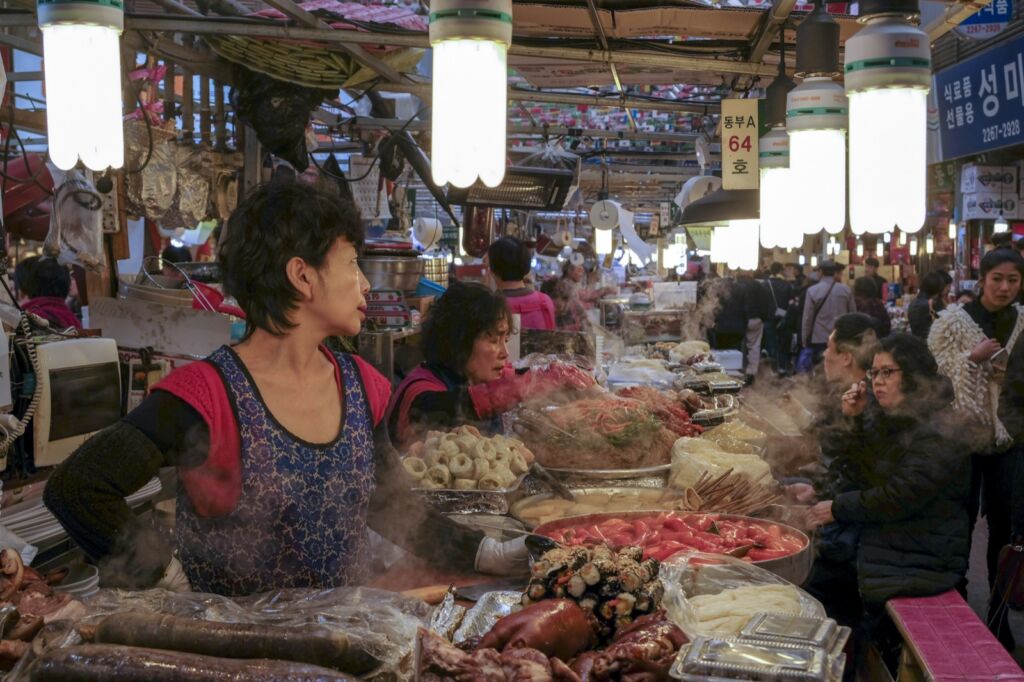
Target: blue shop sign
988, 21
981, 101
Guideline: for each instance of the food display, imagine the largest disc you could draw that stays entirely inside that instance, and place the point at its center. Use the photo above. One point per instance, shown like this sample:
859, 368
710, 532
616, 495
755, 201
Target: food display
598, 433
666, 407
311, 644
34, 603
729, 493
89, 662
611, 587
645, 649
694, 457
663, 534
690, 352
546, 507
739, 430
465, 460
727, 612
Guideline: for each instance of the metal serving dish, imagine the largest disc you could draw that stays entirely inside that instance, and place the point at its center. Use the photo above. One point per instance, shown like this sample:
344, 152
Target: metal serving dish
389, 272
452, 501
582, 476
794, 568
648, 499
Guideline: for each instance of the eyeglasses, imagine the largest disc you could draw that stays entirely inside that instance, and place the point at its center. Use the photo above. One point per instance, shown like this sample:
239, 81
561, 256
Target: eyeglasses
882, 373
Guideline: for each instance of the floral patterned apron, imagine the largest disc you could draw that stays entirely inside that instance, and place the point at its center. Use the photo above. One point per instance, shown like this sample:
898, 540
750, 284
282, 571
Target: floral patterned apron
301, 518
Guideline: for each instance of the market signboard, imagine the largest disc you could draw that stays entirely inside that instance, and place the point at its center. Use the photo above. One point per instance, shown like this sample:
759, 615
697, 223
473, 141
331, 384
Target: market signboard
981, 101
739, 144
989, 21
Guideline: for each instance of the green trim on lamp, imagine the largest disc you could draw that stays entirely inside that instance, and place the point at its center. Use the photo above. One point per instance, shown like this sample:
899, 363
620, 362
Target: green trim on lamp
818, 111
889, 62
464, 13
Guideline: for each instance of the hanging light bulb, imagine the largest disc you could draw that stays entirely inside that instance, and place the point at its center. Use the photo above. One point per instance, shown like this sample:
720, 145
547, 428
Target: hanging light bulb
719, 244
887, 237
903, 238
816, 119
470, 40
879, 249
814, 261
952, 228
860, 248
82, 70
913, 246
801, 259
603, 241
777, 189
929, 244
743, 244
1000, 225
888, 75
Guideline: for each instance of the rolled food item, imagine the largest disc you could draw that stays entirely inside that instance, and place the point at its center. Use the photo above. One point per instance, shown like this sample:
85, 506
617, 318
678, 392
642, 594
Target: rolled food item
491, 481
461, 466
481, 467
439, 475
485, 450
465, 484
415, 467
517, 464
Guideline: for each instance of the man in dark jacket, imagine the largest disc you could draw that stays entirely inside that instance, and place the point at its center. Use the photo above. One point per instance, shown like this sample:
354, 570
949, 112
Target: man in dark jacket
777, 342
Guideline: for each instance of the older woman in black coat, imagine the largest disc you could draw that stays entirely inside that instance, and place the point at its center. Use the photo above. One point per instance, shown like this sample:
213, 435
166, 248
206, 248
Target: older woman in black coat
913, 483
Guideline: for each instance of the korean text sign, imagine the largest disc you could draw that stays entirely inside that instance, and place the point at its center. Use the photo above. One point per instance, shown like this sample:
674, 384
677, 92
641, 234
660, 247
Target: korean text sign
739, 144
981, 101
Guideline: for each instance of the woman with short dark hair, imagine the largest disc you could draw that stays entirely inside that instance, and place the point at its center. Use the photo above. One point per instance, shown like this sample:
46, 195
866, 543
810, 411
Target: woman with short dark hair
510, 262
43, 286
279, 444
466, 377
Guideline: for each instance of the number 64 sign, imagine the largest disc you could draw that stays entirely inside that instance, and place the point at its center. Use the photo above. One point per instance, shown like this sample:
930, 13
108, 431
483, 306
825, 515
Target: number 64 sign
740, 144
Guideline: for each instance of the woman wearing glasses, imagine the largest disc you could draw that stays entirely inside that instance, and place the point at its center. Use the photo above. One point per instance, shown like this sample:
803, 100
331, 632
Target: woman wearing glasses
913, 483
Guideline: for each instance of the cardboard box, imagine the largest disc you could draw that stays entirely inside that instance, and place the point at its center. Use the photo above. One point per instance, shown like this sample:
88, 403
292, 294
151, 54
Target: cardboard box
987, 206
975, 178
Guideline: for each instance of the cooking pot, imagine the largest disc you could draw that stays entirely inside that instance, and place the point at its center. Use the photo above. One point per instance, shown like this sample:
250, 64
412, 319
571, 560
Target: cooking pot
389, 272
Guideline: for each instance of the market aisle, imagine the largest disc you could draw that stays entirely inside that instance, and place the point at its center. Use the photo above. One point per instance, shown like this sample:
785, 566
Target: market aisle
977, 590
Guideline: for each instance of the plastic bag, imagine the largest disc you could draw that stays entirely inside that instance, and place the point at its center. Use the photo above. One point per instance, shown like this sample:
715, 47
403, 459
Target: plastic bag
76, 223
640, 372
686, 576
383, 624
692, 457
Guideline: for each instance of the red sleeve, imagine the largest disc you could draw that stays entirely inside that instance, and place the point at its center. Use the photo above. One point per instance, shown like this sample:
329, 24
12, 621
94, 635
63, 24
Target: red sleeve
215, 486
378, 389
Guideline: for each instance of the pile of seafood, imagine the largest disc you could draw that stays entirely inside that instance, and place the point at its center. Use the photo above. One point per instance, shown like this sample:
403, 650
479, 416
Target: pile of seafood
611, 587
31, 601
565, 638
665, 406
463, 459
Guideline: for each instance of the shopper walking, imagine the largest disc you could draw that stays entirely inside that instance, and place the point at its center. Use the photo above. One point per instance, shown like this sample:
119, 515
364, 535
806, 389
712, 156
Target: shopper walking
867, 300
825, 302
777, 344
930, 301
971, 343
871, 265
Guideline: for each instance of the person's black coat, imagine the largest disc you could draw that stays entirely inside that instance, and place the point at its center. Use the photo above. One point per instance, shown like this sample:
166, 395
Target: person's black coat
914, 483
758, 299
919, 315
731, 317
1011, 414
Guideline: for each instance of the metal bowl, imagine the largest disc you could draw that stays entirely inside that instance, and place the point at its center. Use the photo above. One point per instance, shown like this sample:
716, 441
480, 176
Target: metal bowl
794, 568
647, 499
385, 272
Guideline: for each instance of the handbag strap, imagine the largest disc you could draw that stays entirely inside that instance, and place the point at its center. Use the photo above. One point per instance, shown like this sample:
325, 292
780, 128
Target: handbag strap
775, 300
817, 308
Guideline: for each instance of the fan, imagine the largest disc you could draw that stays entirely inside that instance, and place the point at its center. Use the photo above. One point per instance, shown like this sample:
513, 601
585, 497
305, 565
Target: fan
605, 214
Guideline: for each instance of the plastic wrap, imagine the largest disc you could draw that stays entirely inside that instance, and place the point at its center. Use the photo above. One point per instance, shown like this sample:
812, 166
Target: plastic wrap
640, 372
150, 192
192, 199
491, 607
75, 236
686, 576
381, 623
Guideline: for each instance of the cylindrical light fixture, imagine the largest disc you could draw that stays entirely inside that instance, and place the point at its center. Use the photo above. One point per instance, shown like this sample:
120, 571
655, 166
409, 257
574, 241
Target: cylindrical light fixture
860, 248
801, 259
816, 119
887, 237
929, 244
1000, 225
913, 246
603, 242
82, 71
470, 40
742, 244
952, 228
903, 238
879, 248
720, 244
814, 261
778, 193
888, 75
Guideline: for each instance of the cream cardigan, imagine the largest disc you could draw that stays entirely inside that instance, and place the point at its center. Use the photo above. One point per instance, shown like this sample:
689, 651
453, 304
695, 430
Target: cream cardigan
952, 337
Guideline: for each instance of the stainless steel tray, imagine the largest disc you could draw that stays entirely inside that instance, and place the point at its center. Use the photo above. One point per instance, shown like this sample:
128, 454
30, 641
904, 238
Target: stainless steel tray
450, 501
669, 494
729, 658
611, 474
